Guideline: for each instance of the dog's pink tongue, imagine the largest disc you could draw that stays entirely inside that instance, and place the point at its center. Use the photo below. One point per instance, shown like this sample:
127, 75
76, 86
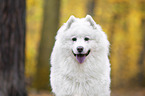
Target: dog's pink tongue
80, 58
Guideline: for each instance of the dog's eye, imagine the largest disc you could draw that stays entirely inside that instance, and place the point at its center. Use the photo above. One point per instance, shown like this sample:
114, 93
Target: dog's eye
74, 39
86, 39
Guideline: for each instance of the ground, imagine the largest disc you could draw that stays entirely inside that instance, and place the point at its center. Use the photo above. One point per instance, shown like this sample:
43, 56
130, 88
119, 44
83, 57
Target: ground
120, 92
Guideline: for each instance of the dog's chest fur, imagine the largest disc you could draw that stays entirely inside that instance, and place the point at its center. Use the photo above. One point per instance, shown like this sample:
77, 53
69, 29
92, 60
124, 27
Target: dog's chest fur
79, 82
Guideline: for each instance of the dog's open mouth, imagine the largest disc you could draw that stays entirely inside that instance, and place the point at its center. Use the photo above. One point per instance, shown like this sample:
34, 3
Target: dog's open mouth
81, 57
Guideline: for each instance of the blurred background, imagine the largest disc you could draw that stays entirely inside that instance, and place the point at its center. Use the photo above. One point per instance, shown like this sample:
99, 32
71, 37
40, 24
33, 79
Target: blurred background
122, 20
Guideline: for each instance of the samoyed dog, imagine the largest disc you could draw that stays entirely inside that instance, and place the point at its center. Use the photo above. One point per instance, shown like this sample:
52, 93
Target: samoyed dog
79, 60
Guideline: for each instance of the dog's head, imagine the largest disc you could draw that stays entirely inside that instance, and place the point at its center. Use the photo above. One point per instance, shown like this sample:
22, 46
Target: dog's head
81, 38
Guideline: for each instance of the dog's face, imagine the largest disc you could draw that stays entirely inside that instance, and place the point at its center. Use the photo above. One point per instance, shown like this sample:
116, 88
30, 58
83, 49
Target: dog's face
81, 47
81, 38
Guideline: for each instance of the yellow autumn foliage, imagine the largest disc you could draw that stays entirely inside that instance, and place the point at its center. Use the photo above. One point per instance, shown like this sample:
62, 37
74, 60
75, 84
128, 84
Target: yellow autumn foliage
120, 19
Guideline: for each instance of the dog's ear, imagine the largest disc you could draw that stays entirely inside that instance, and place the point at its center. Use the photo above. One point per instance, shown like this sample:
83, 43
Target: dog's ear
91, 21
70, 21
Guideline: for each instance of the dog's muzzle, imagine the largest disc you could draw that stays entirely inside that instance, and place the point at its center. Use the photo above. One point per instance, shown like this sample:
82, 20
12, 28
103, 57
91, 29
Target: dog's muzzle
81, 57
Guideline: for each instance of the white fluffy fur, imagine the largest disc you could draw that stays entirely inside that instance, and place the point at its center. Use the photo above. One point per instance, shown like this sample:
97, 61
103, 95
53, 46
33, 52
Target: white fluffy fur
92, 77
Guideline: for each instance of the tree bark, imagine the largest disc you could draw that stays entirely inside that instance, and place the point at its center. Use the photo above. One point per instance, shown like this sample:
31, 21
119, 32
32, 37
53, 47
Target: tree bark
12, 47
49, 29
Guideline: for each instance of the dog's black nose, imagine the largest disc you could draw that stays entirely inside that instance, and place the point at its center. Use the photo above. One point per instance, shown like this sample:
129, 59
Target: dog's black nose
80, 48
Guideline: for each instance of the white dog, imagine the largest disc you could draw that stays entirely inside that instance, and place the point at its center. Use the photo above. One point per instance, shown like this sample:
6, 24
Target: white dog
79, 61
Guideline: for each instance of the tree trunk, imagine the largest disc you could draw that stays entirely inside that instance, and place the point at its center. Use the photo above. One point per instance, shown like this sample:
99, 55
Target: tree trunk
113, 26
49, 29
91, 7
12, 47
142, 56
